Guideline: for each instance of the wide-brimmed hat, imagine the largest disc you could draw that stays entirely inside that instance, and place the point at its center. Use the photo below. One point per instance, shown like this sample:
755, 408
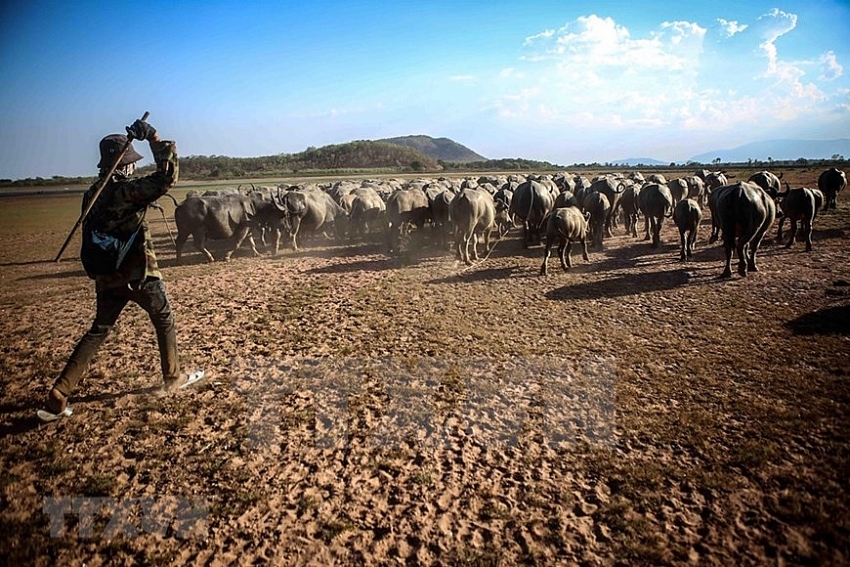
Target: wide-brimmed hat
111, 146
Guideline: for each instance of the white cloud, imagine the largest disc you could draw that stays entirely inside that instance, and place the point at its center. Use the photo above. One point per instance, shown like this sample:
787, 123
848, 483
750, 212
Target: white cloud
731, 27
831, 69
542, 35
511, 73
593, 76
772, 26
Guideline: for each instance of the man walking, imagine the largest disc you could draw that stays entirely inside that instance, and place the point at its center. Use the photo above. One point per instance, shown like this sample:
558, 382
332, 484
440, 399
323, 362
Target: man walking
119, 210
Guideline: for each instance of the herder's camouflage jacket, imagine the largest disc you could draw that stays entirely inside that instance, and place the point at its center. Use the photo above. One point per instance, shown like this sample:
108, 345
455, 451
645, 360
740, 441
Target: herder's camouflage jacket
121, 208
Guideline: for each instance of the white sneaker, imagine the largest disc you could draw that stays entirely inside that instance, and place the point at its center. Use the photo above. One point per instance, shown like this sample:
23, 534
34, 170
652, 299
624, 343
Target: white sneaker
174, 386
46, 416
193, 377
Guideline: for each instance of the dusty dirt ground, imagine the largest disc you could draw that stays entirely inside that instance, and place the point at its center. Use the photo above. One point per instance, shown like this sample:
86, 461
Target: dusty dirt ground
362, 409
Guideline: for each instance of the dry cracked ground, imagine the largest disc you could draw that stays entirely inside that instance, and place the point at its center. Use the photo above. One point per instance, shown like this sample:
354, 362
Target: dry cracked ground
366, 409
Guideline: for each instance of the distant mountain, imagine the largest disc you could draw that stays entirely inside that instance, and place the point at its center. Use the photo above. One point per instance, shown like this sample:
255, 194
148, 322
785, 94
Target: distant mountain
779, 150
633, 161
442, 149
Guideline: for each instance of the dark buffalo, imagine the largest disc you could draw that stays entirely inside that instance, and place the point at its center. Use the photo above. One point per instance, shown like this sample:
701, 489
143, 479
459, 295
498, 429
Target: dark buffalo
564, 225
503, 198
687, 216
531, 202
613, 190
565, 199
473, 213
655, 203
629, 206
406, 208
831, 182
768, 181
744, 212
367, 210
598, 207
798, 205
678, 189
220, 217
440, 199
712, 179
306, 210
696, 188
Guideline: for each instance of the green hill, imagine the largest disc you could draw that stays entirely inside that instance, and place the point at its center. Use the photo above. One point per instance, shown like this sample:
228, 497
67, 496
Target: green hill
442, 149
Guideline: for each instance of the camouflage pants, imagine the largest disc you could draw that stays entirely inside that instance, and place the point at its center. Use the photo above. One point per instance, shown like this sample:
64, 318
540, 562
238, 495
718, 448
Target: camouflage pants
151, 297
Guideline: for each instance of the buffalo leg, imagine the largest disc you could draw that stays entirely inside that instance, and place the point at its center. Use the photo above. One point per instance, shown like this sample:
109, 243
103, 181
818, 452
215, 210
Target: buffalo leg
742, 251
793, 237
807, 229
646, 227
754, 244
276, 241
199, 240
728, 245
656, 233
242, 234
684, 252
182, 237
546, 252
779, 232
566, 255
692, 240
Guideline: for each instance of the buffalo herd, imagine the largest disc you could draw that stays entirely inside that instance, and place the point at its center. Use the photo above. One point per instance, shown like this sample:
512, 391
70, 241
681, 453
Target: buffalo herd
560, 209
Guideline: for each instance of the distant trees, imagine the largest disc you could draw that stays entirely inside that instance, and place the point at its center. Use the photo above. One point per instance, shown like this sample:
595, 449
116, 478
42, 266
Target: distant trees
359, 155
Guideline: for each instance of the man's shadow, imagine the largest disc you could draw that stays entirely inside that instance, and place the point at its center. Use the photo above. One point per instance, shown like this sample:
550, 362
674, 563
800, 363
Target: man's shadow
23, 423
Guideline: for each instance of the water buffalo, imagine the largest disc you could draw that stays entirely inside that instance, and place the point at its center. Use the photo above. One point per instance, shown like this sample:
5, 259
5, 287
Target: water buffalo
473, 213
696, 188
405, 208
678, 189
531, 202
656, 203
629, 206
219, 217
831, 182
687, 216
503, 198
744, 212
439, 199
613, 191
307, 209
715, 179
367, 210
599, 209
768, 181
564, 225
798, 205
565, 199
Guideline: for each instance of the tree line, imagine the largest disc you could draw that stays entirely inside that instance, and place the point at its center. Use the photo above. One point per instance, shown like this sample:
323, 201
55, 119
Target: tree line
365, 157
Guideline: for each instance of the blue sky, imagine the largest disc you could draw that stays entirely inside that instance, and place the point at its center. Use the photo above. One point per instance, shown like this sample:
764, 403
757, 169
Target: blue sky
561, 81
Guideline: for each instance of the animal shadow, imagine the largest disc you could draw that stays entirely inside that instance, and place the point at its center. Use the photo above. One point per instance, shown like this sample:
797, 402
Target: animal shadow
631, 284
828, 321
